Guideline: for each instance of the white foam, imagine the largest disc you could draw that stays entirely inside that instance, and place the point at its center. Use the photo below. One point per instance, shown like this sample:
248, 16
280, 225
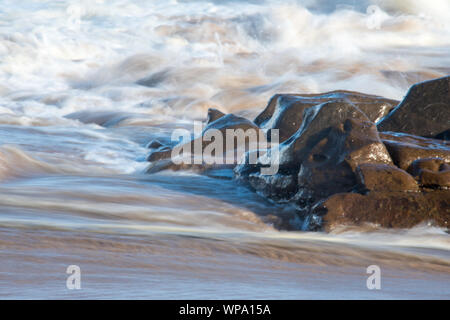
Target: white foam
212, 46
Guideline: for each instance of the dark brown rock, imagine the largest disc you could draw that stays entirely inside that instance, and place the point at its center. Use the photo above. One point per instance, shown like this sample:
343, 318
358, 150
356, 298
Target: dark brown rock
431, 172
430, 178
425, 111
431, 164
327, 129
382, 177
335, 167
404, 148
386, 209
330, 166
285, 111
334, 139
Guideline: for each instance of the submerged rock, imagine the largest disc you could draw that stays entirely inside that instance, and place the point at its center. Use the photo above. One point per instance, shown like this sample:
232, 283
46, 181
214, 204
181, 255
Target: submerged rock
102, 118
425, 111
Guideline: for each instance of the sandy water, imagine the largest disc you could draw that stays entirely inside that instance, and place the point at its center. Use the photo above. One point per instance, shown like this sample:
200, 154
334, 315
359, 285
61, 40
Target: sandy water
84, 86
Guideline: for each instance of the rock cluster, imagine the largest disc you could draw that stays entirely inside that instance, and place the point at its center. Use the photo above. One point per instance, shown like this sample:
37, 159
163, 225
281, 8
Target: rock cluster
351, 158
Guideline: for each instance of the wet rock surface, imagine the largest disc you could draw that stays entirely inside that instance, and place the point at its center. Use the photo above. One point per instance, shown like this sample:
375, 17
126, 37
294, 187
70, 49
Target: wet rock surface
425, 111
432, 172
405, 149
321, 158
377, 177
285, 111
216, 122
337, 166
213, 115
387, 209
330, 166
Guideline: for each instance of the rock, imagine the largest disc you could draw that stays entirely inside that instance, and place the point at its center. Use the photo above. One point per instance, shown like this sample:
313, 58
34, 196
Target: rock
382, 177
278, 187
160, 153
431, 172
386, 209
154, 144
213, 115
431, 164
335, 167
323, 155
321, 123
405, 149
435, 179
219, 123
425, 111
285, 111
330, 166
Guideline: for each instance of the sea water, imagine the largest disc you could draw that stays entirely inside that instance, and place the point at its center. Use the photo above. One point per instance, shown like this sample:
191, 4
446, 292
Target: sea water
85, 85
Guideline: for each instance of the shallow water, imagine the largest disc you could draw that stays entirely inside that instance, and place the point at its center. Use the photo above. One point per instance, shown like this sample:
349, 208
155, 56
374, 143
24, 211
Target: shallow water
85, 85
